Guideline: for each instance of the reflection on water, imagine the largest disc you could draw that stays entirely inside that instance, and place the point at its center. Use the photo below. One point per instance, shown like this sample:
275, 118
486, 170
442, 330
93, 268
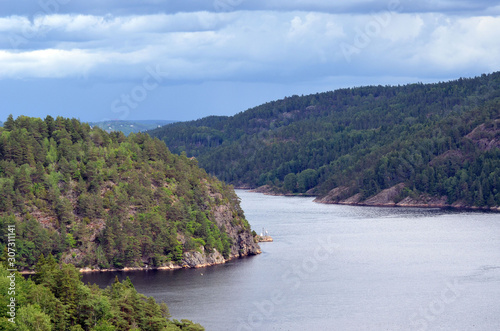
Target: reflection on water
343, 268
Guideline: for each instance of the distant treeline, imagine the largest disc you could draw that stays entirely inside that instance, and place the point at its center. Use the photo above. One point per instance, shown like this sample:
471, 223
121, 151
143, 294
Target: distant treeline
438, 139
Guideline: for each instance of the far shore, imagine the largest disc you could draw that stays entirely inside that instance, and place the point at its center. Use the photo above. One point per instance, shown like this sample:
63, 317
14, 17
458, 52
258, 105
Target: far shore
266, 190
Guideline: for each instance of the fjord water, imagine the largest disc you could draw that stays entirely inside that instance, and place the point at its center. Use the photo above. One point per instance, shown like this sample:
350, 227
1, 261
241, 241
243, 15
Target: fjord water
335, 267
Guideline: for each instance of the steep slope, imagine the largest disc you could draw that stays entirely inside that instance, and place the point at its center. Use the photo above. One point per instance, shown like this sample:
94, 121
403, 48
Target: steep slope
360, 142
56, 299
102, 200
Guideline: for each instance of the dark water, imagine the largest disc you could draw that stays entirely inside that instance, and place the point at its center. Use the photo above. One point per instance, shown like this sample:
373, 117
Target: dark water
343, 268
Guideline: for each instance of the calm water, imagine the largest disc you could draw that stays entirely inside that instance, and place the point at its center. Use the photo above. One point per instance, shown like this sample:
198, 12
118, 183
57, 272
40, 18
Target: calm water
343, 268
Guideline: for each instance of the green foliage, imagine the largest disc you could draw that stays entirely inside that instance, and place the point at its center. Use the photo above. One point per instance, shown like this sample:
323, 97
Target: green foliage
31, 318
290, 182
438, 139
56, 299
105, 200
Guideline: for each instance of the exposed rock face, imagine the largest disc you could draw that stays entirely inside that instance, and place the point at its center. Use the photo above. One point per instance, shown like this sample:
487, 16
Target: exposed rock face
341, 195
227, 219
243, 243
168, 266
425, 201
355, 199
389, 198
385, 197
199, 260
334, 196
486, 136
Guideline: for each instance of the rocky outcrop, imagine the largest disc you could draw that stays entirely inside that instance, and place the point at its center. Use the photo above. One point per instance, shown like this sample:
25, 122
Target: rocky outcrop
391, 198
242, 240
425, 201
198, 259
342, 195
334, 196
386, 197
263, 239
486, 136
169, 266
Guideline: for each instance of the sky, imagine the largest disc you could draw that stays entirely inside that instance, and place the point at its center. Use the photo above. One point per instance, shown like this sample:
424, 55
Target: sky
183, 60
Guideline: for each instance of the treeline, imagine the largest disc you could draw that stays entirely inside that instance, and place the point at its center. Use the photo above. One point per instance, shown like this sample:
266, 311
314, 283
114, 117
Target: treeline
103, 200
56, 299
438, 139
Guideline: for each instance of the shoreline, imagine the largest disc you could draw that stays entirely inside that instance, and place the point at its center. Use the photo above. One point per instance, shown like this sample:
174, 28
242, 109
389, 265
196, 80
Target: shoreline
171, 266
416, 205
126, 269
402, 204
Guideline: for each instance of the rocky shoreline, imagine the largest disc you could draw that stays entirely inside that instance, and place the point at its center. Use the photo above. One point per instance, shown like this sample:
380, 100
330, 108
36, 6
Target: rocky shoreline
264, 239
385, 198
390, 198
191, 260
243, 245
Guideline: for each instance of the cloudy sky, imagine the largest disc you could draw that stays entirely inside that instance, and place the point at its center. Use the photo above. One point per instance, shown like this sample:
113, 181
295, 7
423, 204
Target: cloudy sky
182, 60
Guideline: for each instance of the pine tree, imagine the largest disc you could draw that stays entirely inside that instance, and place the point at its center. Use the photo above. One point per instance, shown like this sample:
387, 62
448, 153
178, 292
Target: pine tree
9, 124
68, 280
46, 269
49, 121
22, 180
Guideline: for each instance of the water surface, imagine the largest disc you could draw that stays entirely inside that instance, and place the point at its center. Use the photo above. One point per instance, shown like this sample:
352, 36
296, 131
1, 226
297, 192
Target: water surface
335, 267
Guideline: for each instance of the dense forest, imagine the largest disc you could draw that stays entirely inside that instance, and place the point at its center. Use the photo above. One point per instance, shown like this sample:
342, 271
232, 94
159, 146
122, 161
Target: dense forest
103, 200
56, 299
428, 140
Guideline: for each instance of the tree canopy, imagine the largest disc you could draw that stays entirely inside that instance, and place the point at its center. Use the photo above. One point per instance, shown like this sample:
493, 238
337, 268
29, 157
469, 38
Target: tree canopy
56, 299
103, 200
437, 139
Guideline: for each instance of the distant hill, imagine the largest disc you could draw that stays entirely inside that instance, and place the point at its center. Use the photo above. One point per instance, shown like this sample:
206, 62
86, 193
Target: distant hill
418, 144
127, 127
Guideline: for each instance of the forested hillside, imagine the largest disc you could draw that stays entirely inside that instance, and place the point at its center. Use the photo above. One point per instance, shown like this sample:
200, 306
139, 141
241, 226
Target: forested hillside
56, 299
428, 142
102, 200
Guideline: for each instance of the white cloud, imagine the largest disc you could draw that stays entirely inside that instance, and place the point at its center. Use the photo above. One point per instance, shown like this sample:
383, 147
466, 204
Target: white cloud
462, 43
277, 47
12, 23
49, 63
403, 27
247, 45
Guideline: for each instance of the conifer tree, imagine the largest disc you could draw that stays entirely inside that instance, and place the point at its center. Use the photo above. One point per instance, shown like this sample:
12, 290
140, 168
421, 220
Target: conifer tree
9, 124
